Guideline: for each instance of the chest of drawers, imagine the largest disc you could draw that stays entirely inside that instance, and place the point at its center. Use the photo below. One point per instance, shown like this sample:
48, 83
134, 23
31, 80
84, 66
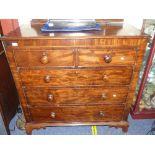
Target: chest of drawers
82, 78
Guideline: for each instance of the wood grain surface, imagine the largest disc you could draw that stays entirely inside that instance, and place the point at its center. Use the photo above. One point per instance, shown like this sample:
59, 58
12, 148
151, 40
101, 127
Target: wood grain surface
77, 114
76, 78
76, 96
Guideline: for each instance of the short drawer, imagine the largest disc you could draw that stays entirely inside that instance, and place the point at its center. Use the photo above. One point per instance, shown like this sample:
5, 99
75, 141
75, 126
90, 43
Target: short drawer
88, 58
37, 96
77, 114
44, 58
77, 77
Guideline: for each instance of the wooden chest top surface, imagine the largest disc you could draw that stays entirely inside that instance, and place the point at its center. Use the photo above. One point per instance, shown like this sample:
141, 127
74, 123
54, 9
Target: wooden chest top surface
108, 30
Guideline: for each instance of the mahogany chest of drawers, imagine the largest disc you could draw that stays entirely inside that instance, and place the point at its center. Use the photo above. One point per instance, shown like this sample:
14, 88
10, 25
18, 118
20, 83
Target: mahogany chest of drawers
82, 78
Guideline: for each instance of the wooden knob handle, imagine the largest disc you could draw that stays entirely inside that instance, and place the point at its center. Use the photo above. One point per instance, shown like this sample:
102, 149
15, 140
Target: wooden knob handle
53, 114
101, 113
44, 58
104, 96
105, 77
47, 78
107, 58
50, 97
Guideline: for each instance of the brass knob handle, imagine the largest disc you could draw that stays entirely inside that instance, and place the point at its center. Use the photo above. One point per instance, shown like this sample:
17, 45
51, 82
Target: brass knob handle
104, 96
101, 113
44, 58
53, 115
47, 78
50, 97
107, 58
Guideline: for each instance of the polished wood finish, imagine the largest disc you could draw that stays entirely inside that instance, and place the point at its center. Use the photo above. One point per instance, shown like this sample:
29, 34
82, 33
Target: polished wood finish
77, 114
35, 58
75, 96
8, 90
76, 78
96, 58
30, 126
8, 94
35, 22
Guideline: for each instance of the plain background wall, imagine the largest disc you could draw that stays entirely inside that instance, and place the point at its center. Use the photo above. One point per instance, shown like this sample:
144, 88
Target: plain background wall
135, 22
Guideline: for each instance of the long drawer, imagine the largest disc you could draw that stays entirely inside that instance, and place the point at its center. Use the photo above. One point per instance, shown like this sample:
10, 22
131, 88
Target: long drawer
44, 58
93, 58
37, 96
77, 77
77, 114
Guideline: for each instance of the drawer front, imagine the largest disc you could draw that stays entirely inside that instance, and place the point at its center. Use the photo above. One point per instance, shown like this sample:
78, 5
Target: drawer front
78, 114
75, 96
88, 58
80, 77
41, 58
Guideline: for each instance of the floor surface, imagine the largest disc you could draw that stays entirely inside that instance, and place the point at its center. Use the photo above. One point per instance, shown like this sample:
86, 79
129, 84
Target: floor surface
137, 127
